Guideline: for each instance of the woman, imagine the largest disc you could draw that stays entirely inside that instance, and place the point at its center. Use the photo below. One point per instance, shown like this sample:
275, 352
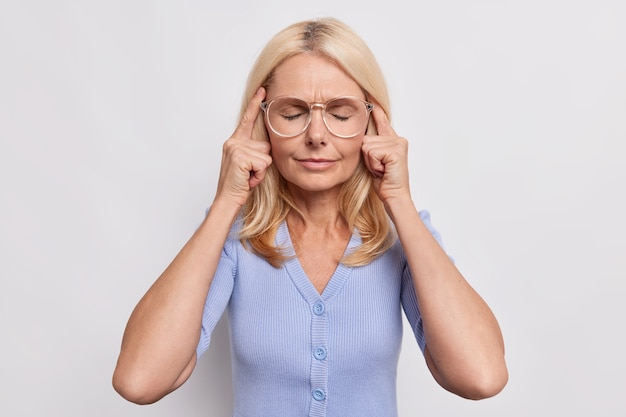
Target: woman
314, 245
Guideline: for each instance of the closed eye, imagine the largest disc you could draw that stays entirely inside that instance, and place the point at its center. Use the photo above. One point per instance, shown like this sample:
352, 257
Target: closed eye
342, 110
293, 116
340, 117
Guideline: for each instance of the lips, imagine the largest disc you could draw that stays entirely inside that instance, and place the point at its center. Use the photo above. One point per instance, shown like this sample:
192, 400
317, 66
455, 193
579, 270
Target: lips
316, 163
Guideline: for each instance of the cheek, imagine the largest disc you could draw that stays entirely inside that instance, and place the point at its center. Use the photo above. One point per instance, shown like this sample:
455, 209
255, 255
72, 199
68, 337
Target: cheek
352, 150
279, 154
277, 149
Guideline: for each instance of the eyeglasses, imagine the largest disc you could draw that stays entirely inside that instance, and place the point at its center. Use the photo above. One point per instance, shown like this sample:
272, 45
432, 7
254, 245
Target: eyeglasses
344, 117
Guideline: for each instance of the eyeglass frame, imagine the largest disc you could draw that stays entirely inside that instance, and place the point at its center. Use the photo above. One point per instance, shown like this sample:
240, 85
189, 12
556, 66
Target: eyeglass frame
265, 105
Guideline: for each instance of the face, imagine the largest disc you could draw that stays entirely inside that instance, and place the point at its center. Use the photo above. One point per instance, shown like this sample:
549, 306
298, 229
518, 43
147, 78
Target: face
315, 160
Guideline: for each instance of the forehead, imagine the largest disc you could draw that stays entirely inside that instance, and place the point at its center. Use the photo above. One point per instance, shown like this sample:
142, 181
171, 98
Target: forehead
313, 78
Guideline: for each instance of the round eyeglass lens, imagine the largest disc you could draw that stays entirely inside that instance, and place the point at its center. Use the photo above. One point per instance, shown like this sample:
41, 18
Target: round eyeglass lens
345, 116
288, 116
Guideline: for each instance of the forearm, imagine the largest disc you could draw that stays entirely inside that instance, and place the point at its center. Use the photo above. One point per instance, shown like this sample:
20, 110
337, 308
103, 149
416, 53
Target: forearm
465, 349
163, 331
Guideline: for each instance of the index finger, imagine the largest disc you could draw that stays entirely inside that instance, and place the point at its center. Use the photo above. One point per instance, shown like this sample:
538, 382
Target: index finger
246, 124
383, 125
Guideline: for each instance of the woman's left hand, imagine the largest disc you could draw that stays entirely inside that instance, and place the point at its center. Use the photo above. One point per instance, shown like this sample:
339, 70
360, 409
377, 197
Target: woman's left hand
386, 157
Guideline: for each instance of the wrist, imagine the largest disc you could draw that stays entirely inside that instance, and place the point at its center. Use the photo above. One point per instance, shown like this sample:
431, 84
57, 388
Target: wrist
399, 207
224, 209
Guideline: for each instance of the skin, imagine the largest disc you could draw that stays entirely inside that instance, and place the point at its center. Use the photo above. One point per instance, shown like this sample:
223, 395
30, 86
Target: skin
464, 346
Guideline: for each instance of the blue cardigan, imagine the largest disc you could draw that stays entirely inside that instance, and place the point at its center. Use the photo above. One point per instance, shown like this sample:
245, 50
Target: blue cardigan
300, 353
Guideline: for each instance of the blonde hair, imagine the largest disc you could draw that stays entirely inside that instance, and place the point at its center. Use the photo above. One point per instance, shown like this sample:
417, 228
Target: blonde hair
269, 203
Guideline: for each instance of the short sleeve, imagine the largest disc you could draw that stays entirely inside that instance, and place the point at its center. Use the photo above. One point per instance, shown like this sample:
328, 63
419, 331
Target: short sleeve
409, 300
218, 296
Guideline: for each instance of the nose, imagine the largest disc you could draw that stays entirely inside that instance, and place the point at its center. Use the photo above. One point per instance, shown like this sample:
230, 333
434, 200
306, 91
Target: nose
317, 131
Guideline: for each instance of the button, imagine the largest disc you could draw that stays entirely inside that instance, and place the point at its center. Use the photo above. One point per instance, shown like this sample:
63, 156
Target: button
319, 394
318, 308
319, 353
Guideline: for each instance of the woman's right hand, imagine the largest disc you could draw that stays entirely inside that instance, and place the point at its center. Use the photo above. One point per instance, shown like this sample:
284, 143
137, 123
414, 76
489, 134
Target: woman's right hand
244, 159
158, 350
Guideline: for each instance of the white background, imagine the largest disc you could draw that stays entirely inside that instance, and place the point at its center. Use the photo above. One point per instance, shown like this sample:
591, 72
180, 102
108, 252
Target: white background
112, 116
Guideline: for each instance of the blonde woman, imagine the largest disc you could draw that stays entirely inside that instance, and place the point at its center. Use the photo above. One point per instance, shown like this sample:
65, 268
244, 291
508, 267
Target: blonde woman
315, 247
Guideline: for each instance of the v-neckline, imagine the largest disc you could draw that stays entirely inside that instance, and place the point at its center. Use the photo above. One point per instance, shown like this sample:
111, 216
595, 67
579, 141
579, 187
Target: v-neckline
300, 278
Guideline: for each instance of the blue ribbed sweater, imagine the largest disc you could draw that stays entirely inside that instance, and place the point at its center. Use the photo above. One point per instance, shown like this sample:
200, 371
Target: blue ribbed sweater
300, 353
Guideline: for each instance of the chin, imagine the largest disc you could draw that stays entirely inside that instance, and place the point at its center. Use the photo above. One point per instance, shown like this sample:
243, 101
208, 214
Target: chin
316, 186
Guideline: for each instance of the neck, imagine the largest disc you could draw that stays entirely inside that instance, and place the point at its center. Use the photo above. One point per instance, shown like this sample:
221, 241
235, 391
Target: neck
318, 211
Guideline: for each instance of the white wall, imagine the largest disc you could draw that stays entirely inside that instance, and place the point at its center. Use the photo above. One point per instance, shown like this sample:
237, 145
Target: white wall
112, 116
